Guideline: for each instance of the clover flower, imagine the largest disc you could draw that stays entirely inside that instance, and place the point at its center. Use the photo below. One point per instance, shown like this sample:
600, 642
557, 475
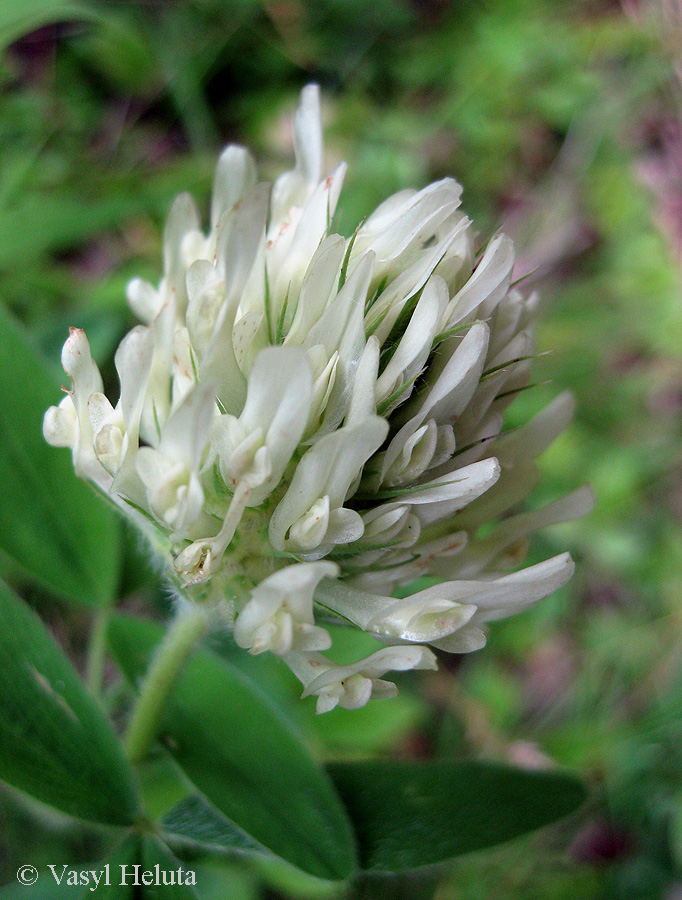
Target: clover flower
308, 422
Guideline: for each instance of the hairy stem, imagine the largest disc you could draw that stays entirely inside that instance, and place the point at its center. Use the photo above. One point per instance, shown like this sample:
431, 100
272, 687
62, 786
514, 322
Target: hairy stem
182, 637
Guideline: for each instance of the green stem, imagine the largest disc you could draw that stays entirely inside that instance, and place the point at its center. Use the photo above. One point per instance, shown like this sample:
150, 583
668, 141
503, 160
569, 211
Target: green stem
185, 632
97, 647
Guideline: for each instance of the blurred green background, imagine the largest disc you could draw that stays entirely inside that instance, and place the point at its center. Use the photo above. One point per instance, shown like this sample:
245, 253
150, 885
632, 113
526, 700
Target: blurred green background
563, 121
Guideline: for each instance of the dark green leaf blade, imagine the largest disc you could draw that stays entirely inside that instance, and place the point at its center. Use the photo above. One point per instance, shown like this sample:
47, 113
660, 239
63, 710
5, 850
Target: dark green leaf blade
245, 757
51, 523
65, 882
408, 815
44, 888
118, 880
178, 878
55, 741
196, 821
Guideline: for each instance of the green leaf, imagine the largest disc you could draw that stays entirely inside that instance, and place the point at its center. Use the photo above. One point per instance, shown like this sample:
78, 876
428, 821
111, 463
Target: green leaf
18, 18
284, 880
55, 741
195, 823
121, 862
408, 815
218, 880
51, 523
245, 757
155, 853
162, 785
78, 882
44, 888
130, 873
194, 820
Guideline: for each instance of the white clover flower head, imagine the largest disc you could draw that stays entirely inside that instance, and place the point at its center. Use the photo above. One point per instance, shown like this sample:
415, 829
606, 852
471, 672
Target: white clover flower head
308, 422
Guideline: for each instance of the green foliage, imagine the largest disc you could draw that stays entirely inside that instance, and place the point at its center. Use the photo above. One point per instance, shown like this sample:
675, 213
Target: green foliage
65, 537
549, 114
129, 853
55, 742
18, 19
155, 853
235, 747
408, 815
194, 820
